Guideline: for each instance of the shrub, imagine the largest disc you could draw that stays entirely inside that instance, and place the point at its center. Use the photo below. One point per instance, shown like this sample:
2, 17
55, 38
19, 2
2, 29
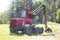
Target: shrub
58, 16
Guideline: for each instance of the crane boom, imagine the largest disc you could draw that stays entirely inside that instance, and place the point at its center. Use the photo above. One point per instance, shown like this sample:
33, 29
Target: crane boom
37, 10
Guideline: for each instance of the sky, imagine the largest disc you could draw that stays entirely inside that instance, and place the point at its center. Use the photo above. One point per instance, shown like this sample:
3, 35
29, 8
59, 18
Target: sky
4, 5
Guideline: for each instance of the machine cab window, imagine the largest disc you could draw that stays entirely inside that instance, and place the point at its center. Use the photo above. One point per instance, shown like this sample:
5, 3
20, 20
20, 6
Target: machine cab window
23, 14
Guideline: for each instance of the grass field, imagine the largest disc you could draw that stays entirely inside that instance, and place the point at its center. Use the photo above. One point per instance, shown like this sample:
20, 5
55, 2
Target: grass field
6, 35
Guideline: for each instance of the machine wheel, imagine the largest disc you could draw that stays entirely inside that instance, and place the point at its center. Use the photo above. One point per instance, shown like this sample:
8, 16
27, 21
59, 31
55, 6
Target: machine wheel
27, 30
41, 30
12, 30
34, 29
16, 30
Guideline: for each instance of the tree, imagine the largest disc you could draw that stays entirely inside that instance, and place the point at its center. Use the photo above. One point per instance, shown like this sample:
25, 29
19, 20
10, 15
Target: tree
4, 17
52, 6
58, 16
15, 8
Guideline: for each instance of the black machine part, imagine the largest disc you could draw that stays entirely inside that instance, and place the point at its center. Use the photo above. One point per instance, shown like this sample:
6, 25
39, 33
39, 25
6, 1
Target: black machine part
36, 11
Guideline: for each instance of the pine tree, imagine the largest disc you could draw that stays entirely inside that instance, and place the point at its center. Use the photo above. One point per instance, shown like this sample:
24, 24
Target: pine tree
15, 8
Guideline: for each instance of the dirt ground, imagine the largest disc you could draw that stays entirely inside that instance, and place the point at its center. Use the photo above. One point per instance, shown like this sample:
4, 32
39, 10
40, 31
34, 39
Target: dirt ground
57, 33
53, 36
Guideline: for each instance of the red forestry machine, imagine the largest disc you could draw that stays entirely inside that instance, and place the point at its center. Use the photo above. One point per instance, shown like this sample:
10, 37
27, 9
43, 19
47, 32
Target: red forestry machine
26, 22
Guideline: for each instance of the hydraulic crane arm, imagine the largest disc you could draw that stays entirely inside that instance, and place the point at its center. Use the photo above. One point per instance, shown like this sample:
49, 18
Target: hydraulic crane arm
37, 10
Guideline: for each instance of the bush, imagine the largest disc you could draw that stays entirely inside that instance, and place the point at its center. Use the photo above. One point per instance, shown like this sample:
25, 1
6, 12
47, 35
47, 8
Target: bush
3, 20
58, 16
4, 17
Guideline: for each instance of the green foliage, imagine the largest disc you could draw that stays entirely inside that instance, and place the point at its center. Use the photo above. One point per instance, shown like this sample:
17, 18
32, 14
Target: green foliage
58, 16
36, 4
15, 8
1, 21
52, 6
17, 5
4, 17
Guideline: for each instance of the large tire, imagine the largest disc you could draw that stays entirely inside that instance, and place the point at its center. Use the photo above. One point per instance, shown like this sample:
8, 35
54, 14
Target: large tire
12, 30
37, 30
41, 30
16, 30
27, 30
33, 29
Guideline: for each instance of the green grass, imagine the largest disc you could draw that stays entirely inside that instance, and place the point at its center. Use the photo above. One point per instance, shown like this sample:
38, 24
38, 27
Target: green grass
6, 35
51, 25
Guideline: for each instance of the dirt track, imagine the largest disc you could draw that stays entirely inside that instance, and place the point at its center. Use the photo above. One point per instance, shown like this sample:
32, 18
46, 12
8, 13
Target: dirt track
54, 36
42, 38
